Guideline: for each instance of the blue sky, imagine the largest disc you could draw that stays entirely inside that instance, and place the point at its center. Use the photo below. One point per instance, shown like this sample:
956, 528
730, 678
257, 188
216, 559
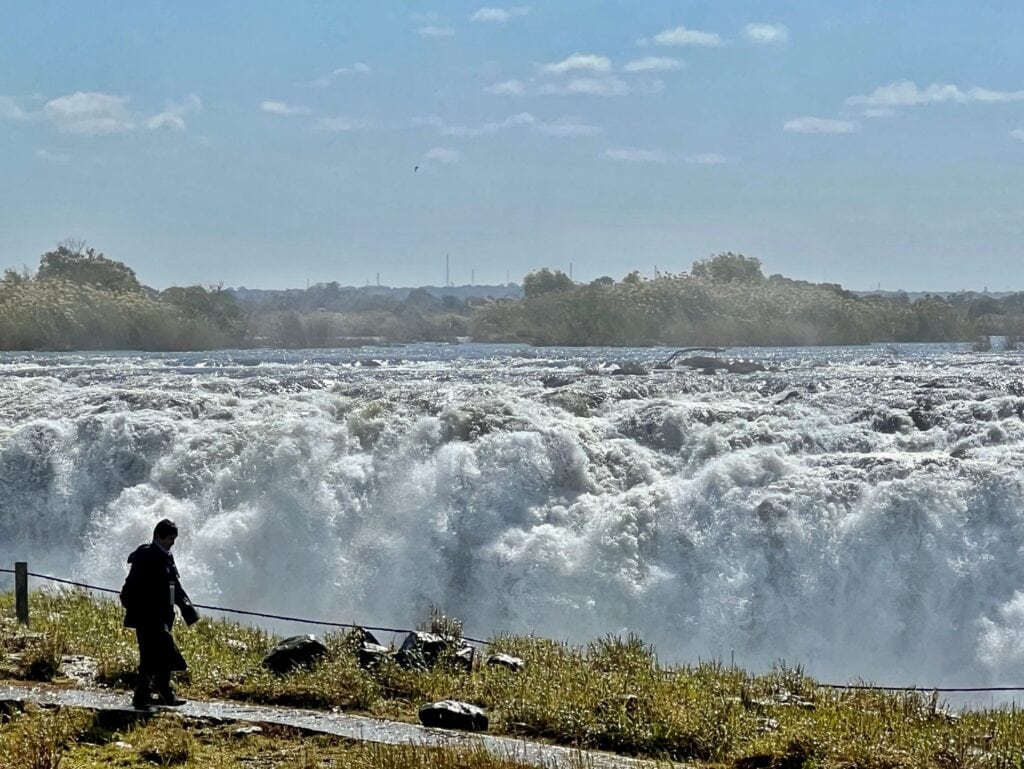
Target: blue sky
268, 143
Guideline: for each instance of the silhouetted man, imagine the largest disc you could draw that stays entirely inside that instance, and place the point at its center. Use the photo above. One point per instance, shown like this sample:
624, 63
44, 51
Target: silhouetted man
149, 596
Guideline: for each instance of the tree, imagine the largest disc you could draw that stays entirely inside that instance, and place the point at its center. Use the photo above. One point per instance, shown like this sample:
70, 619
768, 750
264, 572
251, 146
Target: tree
215, 305
729, 268
545, 281
73, 262
633, 279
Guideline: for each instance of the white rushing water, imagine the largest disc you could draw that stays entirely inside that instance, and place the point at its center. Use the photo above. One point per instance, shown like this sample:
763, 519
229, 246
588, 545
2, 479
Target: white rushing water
855, 510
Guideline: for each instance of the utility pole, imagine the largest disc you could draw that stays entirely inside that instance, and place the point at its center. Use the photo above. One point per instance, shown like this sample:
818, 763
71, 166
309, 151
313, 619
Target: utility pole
570, 270
447, 271
378, 280
472, 277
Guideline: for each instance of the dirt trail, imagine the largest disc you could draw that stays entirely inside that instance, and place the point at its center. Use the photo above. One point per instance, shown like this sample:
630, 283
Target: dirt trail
339, 724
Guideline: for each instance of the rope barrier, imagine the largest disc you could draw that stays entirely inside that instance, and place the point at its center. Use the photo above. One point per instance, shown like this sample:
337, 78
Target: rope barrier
323, 623
264, 615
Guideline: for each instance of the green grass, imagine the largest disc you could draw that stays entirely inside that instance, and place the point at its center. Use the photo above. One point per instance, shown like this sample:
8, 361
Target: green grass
612, 694
75, 739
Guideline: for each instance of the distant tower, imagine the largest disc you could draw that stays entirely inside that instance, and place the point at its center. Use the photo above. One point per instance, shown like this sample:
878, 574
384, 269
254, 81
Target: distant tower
570, 270
447, 270
378, 280
472, 277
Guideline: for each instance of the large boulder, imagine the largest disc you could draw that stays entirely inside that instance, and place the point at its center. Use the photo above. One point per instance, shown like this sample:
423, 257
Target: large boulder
450, 714
421, 650
300, 651
371, 655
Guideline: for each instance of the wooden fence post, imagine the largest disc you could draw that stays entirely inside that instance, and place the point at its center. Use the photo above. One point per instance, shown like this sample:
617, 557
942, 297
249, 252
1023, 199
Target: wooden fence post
21, 591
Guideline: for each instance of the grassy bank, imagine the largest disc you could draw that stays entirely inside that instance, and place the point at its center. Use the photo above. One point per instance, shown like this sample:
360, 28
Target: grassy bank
78, 739
611, 694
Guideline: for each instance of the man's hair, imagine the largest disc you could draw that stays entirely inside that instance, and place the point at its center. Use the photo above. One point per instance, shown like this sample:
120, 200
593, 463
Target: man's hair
166, 528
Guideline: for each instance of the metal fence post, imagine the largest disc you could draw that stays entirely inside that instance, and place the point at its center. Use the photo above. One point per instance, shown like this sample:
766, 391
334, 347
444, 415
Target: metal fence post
21, 591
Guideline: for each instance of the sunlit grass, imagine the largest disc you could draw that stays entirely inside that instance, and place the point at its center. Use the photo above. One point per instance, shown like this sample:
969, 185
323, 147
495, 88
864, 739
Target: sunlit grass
611, 694
76, 739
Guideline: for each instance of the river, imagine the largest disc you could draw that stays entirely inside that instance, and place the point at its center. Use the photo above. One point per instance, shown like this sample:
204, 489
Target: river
856, 510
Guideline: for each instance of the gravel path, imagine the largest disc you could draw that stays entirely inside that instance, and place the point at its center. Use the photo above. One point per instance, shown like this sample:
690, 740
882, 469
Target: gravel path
339, 724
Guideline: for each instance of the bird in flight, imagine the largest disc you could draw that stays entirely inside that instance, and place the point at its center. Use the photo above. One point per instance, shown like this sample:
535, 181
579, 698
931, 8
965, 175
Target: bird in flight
415, 169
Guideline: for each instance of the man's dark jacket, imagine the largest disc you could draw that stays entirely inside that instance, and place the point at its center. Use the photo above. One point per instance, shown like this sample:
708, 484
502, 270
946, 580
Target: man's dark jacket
147, 592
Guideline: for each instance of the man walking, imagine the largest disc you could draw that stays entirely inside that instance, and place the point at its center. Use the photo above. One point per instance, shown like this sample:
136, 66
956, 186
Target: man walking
150, 593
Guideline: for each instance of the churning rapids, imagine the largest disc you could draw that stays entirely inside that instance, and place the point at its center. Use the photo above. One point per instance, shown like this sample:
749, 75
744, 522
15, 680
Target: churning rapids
856, 510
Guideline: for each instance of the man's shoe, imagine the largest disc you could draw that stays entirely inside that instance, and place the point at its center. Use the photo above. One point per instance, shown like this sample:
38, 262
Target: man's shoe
169, 699
142, 703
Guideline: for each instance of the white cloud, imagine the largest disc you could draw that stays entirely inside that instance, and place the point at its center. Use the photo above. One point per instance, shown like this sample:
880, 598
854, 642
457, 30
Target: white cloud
340, 124
905, 93
359, 68
588, 86
1018, 134
443, 155
766, 33
174, 115
578, 61
500, 15
819, 125
53, 157
10, 110
280, 108
654, 64
507, 88
709, 159
684, 36
633, 155
91, 113
567, 128
877, 112
434, 31
486, 129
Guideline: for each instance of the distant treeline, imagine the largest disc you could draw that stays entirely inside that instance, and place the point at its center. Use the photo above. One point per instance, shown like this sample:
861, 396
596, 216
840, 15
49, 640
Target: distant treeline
727, 300
80, 299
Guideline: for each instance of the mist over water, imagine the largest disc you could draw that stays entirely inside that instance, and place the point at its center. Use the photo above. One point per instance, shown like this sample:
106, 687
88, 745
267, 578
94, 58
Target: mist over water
856, 510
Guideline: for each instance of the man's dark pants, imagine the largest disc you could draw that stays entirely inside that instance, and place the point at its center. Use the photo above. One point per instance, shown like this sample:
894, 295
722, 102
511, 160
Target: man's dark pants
158, 658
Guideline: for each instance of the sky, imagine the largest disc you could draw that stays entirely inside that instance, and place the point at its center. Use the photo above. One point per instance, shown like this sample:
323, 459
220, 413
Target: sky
271, 144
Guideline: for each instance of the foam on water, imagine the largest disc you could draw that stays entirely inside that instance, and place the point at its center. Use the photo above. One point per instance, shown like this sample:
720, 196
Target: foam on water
858, 510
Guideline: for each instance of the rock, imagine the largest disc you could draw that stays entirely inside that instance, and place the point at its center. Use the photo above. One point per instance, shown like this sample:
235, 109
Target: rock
421, 650
705, 362
300, 651
922, 418
81, 669
245, 731
463, 659
362, 635
450, 714
372, 655
507, 661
